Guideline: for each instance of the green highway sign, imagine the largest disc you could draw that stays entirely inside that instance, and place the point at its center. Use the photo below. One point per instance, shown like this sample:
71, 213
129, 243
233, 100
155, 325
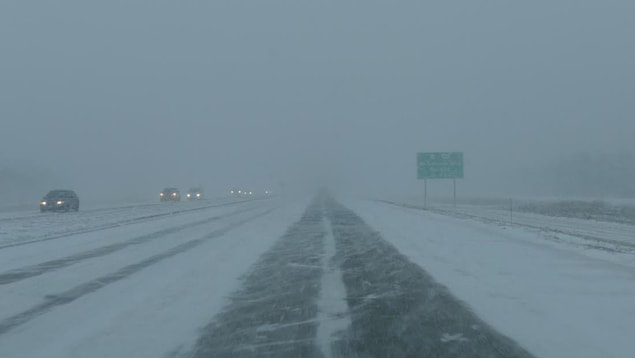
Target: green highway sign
440, 165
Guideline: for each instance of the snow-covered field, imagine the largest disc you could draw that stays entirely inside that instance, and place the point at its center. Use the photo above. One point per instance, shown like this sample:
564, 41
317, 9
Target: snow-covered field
313, 279
589, 232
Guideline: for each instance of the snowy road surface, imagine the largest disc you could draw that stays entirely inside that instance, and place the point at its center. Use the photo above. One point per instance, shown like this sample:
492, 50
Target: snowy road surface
312, 278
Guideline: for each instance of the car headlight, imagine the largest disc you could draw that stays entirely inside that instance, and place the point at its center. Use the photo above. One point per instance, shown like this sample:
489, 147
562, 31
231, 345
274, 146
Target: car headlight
198, 195
161, 194
60, 202
43, 203
173, 194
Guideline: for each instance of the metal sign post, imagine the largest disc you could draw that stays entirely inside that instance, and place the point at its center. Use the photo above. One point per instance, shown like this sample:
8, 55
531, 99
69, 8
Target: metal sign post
454, 180
425, 193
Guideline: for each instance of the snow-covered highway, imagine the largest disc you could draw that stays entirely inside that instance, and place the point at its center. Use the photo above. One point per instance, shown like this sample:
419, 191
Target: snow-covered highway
317, 277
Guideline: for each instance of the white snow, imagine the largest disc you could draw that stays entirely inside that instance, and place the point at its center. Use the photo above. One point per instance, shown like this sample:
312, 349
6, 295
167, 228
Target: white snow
19, 227
333, 316
155, 312
557, 298
448, 338
581, 230
554, 298
24, 255
21, 295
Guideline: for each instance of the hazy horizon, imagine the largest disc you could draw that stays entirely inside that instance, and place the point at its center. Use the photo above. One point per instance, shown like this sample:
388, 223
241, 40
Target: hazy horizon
121, 99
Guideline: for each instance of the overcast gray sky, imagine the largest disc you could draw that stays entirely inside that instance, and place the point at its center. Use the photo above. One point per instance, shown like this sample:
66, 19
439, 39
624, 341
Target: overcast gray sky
131, 96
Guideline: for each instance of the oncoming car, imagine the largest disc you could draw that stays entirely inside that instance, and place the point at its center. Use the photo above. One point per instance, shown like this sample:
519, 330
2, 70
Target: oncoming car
60, 200
170, 194
194, 194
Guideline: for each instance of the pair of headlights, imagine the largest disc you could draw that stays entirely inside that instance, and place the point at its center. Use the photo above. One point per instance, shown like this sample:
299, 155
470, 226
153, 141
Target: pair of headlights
59, 202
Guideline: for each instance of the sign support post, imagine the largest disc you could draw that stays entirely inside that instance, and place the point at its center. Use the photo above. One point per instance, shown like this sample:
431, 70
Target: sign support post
425, 193
454, 182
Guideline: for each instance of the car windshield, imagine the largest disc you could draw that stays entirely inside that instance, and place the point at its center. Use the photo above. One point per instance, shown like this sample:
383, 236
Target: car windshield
375, 178
57, 193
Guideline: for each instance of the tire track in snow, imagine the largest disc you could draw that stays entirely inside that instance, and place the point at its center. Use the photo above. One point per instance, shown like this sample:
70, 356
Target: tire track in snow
397, 309
86, 288
121, 223
48, 266
289, 304
275, 313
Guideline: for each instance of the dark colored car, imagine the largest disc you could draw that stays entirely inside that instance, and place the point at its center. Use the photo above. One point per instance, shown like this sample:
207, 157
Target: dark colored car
170, 194
194, 194
60, 200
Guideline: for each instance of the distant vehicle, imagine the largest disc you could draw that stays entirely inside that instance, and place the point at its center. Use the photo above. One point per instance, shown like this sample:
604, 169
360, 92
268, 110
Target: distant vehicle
60, 200
170, 194
194, 194
240, 192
